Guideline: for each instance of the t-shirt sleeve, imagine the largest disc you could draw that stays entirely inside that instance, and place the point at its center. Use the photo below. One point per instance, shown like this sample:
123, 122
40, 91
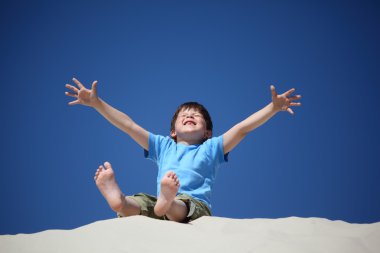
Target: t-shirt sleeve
216, 151
157, 144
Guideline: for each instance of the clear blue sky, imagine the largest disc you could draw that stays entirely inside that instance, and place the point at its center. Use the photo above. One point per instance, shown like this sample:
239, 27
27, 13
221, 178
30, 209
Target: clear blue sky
151, 56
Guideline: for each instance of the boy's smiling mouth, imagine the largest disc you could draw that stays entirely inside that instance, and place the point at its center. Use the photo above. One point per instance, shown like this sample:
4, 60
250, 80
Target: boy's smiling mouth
189, 122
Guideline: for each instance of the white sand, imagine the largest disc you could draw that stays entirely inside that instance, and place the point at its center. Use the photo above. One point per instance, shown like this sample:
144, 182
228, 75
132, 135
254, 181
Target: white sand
207, 234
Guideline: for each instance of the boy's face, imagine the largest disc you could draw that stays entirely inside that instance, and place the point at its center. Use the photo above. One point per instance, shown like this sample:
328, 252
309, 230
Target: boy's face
190, 127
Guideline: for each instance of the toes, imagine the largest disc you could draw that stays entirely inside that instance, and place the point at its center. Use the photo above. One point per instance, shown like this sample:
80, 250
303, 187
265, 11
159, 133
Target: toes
175, 179
169, 174
107, 165
98, 171
172, 177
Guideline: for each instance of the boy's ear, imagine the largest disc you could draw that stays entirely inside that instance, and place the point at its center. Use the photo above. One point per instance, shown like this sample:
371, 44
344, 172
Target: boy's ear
173, 134
208, 134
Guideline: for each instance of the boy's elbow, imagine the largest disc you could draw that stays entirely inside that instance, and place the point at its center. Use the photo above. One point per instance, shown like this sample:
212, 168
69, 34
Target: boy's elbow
242, 135
242, 130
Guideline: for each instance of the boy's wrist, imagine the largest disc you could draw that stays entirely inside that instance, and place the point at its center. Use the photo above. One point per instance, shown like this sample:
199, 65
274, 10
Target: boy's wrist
273, 108
97, 103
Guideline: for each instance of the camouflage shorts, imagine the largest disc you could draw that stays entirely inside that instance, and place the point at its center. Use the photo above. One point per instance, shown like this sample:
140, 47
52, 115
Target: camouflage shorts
196, 208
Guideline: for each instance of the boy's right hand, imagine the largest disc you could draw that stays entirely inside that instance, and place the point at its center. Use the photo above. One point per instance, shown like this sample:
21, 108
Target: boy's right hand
83, 95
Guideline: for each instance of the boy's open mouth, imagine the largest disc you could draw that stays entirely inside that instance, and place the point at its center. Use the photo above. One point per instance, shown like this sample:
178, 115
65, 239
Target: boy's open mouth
189, 122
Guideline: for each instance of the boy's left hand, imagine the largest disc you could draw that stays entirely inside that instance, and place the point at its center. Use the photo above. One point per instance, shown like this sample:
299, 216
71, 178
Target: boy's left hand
283, 102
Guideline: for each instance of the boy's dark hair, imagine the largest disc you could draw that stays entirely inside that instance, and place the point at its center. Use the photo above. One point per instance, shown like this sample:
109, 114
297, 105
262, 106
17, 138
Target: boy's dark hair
195, 106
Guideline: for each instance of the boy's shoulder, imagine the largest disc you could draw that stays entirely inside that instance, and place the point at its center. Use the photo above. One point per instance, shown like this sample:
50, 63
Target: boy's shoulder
165, 140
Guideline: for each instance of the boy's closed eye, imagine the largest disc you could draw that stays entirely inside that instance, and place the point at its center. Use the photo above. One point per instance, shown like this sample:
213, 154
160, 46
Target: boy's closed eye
191, 115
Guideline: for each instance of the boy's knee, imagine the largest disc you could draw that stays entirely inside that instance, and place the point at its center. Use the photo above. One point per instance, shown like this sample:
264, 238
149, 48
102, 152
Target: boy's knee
127, 207
117, 207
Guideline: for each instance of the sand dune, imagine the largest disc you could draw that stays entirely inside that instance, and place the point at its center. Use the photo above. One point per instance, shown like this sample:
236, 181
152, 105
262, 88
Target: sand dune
207, 234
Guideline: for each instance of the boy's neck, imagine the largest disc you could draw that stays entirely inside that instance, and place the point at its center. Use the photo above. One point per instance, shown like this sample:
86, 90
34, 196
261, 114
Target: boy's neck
189, 142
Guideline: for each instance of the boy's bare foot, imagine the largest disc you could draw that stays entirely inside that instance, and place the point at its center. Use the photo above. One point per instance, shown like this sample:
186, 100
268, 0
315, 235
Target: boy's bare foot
106, 182
168, 191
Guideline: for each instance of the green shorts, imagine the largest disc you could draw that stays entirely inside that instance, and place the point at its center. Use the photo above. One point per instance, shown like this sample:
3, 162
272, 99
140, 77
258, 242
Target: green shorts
196, 208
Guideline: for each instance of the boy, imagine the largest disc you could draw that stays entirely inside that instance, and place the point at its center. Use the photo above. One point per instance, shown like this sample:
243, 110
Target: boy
187, 160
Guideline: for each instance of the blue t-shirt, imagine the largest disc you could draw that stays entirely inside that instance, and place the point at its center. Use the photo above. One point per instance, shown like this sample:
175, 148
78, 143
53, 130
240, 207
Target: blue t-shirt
196, 166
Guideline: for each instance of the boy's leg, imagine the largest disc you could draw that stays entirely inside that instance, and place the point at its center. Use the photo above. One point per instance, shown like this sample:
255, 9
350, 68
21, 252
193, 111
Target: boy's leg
175, 210
106, 182
195, 208
178, 211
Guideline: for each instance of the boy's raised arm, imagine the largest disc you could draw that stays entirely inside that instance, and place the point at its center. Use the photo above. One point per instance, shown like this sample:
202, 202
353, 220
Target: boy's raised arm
119, 119
281, 102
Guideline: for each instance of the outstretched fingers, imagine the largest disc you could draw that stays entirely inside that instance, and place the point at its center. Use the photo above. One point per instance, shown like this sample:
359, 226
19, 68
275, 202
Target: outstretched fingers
285, 100
80, 85
273, 90
73, 88
81, 94
291, 99
289, 92
295, 104
75, 102
71, 94
94, 87
289, 110
295, 97
74, 95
